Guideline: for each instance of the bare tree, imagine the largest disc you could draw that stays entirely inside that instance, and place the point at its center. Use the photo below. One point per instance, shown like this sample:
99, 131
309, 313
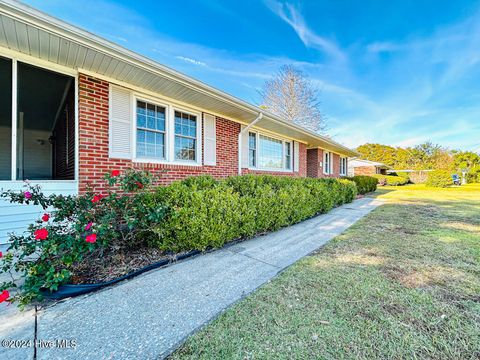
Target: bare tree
291, 95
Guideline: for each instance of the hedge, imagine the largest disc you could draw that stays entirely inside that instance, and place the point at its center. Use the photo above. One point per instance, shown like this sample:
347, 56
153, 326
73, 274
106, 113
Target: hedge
194, 214
390, 180
439, 178
365, 184
205, 212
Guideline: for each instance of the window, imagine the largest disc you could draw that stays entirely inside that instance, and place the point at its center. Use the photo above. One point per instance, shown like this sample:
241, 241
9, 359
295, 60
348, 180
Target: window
150, 130
343, 166
327, 162
271, 153
165, 134
252, 149
288, 155
185, 136
265, 152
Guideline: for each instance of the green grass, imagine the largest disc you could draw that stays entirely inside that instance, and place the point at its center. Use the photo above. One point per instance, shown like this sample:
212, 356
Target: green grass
402, 283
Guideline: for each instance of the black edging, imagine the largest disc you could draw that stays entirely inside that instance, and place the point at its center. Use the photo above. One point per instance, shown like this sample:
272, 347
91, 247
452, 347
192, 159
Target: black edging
70, 290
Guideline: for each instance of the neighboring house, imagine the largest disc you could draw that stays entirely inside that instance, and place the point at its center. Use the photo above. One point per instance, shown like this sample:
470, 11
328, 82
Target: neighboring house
74, 106
366, 167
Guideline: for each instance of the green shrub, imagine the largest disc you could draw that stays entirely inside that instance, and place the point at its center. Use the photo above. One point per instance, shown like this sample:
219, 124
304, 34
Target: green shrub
196, 213
365, 184
390, 180
203, 216
439, 178
403, 175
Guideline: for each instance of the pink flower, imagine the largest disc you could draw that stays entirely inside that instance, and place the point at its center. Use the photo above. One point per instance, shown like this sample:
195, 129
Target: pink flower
115, 173
45, 217
27, 194
41, 234
89, 225
92, 238
1, 254
4, 296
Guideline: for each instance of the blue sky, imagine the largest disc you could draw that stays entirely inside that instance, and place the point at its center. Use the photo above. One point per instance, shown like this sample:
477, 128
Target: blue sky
396, 72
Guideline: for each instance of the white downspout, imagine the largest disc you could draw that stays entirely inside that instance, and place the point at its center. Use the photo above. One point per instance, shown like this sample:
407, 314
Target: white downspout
243, 131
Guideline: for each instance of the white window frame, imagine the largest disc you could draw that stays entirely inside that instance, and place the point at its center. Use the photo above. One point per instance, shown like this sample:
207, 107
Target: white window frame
169, 132
258, 151
254, 149
343, 166
156, 103
290, 163
198, 154
16, 57
327, 170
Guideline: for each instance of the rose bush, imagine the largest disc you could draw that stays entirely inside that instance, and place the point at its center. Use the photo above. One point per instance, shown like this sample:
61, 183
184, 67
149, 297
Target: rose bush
74, 228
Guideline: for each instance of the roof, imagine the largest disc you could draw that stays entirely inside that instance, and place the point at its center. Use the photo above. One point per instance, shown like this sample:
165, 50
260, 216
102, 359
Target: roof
34, 33
360, 162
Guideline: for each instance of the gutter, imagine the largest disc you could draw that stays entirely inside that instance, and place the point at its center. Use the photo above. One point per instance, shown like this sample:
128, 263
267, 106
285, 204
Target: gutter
240, 134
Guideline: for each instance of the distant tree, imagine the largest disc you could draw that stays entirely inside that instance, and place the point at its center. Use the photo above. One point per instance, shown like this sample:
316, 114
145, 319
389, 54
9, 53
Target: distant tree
421, 157
378, 152
291, 96
468, 163
403, 159
466, 159
424, 156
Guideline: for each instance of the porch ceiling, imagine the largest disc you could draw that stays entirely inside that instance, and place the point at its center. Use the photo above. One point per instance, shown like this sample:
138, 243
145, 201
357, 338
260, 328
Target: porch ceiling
28, 31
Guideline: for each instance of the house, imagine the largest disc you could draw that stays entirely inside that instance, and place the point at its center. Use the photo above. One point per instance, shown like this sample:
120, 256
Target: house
366, 167
74, 106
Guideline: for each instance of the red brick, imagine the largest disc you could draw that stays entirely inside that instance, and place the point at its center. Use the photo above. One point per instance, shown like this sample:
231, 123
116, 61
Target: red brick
93, 144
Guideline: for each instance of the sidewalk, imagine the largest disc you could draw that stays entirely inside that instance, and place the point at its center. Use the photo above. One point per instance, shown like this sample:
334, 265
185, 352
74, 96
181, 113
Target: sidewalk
149, 316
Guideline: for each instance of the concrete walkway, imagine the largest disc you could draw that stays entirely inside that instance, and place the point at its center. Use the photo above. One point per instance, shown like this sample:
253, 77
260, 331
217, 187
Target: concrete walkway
149, 316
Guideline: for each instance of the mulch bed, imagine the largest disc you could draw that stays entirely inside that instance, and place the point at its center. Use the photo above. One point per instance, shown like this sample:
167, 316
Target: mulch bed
109, 265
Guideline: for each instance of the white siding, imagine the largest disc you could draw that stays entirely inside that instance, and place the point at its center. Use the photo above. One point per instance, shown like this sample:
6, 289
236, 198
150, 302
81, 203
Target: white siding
16, 217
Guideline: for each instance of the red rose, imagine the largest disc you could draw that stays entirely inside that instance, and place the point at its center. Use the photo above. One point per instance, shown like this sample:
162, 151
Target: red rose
45, 217
1, 254
4, 296
91, 238
115, 173
139, 184
41, 234
89, 225
96, 198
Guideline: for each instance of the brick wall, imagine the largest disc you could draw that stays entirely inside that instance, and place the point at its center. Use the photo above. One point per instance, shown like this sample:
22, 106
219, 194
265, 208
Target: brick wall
94, 161
314, 157
336, 165
364, 170
313, 160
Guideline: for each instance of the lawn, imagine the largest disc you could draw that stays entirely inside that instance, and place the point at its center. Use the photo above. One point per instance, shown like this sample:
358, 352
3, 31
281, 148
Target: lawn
404, 282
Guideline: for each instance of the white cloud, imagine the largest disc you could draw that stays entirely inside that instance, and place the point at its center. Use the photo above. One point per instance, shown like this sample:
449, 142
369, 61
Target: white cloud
292, 16
190, 60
